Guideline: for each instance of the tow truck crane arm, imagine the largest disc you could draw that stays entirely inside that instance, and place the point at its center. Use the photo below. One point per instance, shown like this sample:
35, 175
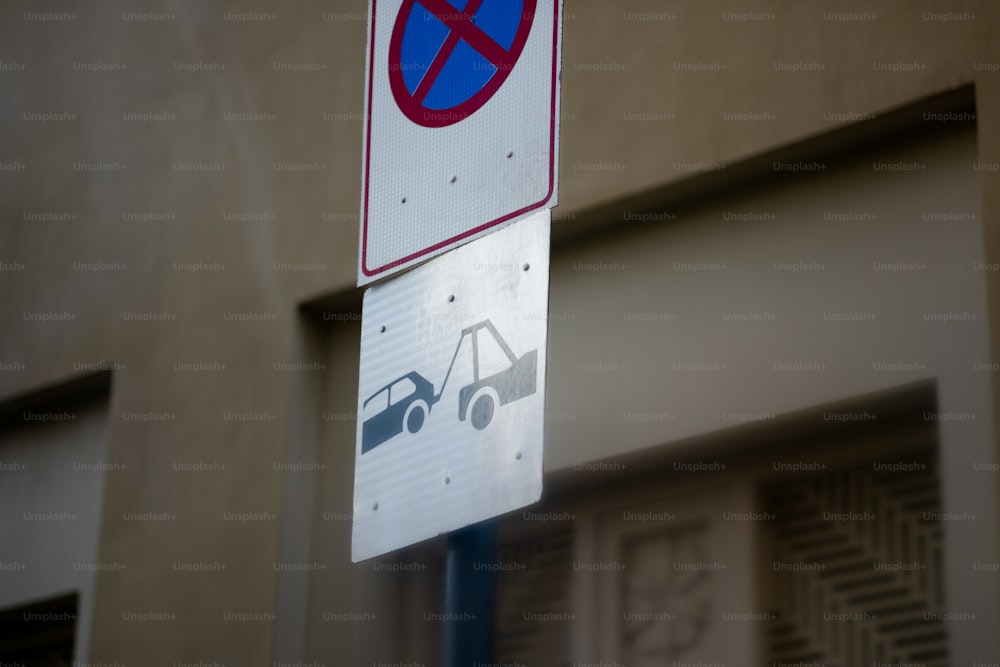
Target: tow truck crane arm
485, 324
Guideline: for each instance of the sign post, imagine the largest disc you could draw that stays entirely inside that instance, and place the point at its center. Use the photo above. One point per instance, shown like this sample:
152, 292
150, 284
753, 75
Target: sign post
459, 175
470, 595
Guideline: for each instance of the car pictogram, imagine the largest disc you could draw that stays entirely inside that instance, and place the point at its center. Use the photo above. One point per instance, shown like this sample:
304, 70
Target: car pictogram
404, 402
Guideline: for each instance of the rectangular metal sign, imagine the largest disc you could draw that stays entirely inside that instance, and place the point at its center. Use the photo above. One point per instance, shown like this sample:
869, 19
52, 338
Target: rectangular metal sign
461, 124
451, 400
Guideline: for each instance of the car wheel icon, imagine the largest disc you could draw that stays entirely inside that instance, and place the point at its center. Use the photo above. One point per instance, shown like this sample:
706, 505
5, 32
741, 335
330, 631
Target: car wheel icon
415, 415
483, 407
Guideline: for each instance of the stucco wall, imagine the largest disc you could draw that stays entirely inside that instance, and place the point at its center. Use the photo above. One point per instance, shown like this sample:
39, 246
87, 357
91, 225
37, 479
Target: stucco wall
213, 202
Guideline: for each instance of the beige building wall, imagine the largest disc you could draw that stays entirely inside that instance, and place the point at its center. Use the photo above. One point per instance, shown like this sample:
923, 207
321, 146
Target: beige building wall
179, 178
675, 341
52, 507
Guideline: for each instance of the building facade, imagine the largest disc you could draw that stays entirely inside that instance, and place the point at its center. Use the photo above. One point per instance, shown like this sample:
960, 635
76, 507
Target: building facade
770, 423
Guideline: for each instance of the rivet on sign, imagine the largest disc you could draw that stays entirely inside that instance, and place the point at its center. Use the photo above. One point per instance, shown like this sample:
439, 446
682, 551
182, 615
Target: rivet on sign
526, 266
454, 178
510, 154
517, 456
375, 507
382, 329
451, 298
404, 200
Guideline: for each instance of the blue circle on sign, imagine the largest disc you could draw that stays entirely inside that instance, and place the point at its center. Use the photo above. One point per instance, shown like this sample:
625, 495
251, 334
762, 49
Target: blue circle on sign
447, 58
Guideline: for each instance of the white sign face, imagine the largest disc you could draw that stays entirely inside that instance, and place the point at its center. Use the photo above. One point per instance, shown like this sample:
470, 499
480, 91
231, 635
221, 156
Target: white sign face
451, 399
461, 131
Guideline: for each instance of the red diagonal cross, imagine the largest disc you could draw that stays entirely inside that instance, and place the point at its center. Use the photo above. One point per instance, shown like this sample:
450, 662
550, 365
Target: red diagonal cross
462, 28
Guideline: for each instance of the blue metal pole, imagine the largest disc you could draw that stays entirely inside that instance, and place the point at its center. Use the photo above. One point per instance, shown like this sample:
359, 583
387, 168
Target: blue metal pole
470, 594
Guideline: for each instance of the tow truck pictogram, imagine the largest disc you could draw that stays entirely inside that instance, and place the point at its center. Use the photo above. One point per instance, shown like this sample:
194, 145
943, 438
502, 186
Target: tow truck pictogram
410, 398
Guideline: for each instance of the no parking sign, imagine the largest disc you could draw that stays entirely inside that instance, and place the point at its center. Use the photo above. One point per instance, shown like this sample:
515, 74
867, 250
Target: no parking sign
461, 132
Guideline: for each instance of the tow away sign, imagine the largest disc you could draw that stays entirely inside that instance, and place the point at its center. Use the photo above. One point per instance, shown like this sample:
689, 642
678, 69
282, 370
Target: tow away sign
461, 124
451, 400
